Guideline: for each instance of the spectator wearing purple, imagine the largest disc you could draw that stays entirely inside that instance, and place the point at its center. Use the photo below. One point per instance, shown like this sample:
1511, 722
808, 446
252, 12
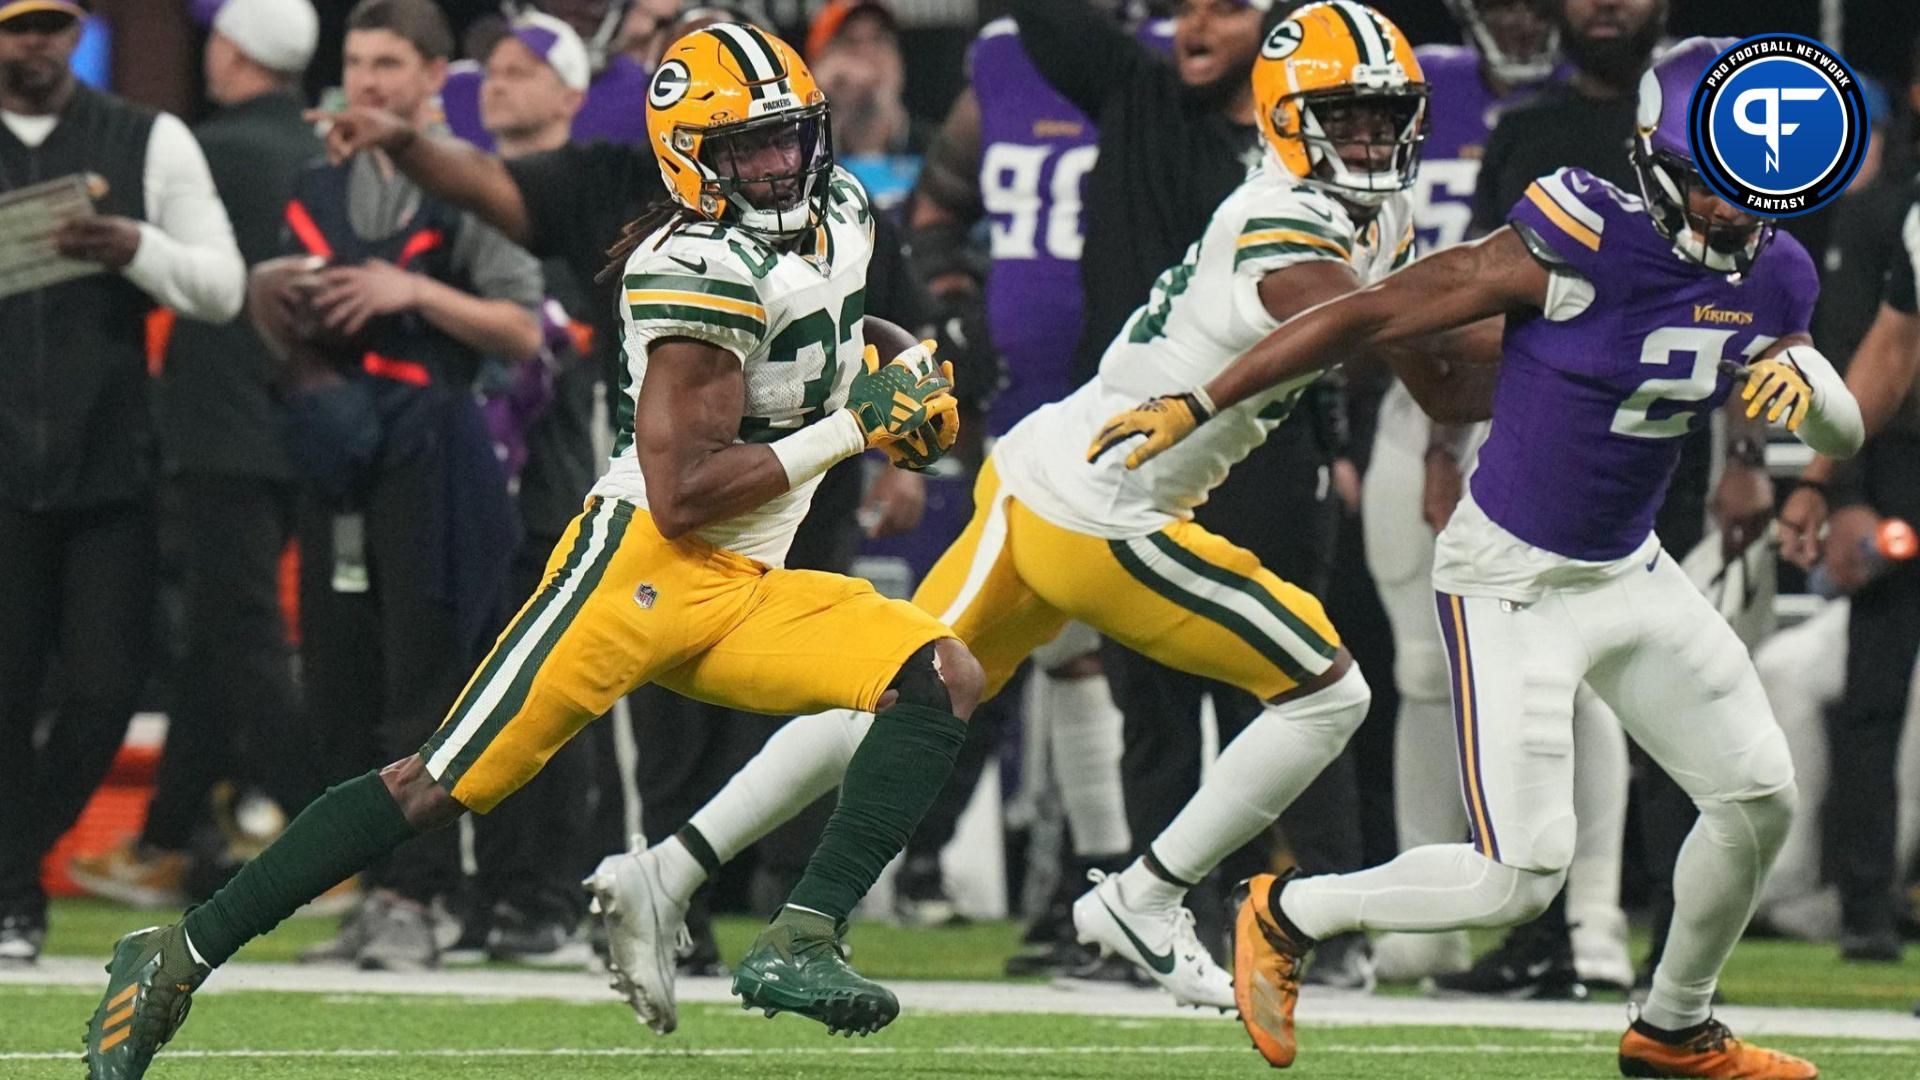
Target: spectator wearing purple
616, 83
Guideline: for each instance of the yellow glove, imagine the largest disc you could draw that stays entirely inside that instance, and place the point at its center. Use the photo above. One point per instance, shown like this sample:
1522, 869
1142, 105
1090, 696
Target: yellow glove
1779, 383
1163, 421
893, 401
930, 442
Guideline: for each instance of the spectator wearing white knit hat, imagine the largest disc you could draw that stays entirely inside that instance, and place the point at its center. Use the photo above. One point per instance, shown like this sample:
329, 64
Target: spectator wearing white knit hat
259, 46
226, 496
536, 79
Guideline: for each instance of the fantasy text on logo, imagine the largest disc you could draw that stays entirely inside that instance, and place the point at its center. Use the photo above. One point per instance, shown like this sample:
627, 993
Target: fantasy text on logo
1778, 125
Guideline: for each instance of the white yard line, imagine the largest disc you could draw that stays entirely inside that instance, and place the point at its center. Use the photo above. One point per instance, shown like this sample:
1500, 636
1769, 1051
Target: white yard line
1316, 1007
1405, 1049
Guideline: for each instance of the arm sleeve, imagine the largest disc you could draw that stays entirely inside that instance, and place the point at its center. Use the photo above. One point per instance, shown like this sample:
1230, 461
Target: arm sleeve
187, 259
1080, 52
497, 268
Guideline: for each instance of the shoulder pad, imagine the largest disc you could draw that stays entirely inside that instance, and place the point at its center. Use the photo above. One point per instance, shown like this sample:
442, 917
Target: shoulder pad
698, 284
1570, 211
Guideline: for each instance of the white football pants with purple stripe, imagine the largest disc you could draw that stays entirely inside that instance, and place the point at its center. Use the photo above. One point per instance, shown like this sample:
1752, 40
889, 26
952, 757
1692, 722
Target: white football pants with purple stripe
1682, 685
1428, 808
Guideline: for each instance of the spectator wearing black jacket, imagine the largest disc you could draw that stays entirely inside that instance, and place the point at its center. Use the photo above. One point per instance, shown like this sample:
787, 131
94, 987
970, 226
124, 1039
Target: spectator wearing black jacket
77, 461
227, 502
1175, 139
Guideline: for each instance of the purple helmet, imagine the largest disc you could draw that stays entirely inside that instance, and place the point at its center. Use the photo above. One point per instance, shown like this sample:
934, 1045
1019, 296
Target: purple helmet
1663, 160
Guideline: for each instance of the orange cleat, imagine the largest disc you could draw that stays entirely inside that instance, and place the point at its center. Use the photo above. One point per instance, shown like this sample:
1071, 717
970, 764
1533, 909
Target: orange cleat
1714, 1053
1267, 962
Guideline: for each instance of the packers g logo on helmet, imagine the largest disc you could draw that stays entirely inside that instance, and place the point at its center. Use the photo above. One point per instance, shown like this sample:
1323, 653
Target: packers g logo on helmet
741, 130
1339, 75
1282, 41
669, 85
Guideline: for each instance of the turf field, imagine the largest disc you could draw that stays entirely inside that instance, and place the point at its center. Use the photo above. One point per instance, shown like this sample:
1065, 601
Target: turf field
460, 1024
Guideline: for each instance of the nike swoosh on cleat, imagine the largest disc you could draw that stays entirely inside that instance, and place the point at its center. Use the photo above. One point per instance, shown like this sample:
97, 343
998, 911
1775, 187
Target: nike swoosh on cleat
699, 267
1160, 962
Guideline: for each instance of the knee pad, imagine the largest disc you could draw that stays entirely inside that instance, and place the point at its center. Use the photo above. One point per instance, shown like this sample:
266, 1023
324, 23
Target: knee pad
1420, 668
919, 682
1764, 767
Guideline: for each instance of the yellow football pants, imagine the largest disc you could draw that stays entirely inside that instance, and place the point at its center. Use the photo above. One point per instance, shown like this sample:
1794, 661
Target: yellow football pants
622, 606
1182, 596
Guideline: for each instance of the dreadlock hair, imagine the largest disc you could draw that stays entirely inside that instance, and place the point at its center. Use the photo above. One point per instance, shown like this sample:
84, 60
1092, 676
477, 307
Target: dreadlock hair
661, 212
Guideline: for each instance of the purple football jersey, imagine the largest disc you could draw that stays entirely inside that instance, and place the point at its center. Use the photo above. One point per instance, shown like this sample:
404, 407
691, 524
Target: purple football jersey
1463, 111
1036, 149
615, 109
1592, 399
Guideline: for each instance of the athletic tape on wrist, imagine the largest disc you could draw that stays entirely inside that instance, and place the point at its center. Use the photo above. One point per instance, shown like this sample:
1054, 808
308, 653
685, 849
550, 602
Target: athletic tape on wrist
816, 448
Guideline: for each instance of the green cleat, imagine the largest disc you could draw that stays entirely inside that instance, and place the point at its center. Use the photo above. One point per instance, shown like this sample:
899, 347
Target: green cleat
797, 965
150, 982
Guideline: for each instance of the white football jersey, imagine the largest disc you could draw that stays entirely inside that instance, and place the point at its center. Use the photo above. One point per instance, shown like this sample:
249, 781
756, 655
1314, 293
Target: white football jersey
793, 319
1202, 314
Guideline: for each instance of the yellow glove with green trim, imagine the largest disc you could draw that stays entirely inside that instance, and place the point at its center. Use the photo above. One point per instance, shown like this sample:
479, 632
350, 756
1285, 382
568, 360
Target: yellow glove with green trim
1162, 421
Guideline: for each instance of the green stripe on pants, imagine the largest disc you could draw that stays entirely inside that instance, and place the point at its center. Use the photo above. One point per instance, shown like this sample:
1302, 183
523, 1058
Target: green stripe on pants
490, 669
1220, 575
515, 697
1226, 617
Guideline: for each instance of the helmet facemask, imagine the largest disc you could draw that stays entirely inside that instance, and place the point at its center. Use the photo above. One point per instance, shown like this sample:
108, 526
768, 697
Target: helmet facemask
1667, 182
1516, 66
1382, 129
770, 175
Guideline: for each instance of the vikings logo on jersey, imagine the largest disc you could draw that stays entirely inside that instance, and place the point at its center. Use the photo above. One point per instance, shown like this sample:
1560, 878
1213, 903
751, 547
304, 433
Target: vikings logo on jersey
1631, 353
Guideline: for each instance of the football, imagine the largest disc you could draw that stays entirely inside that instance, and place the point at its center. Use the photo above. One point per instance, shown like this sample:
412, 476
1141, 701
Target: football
887, 338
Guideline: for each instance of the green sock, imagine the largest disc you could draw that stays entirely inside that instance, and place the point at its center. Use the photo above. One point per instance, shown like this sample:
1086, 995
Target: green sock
338, 835
892, 780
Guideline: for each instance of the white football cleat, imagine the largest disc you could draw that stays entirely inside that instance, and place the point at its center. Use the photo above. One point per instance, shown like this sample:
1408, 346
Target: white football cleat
1160, 942
645, 931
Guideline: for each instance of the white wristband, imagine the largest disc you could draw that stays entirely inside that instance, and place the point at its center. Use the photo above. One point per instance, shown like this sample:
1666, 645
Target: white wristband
816, 448
1833, 426
1206, 402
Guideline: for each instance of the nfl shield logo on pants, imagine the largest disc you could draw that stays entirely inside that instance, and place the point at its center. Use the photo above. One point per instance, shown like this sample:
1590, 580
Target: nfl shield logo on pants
645, 595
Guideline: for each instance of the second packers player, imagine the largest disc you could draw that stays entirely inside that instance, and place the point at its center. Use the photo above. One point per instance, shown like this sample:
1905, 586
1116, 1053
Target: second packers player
1342, 109
746, 378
